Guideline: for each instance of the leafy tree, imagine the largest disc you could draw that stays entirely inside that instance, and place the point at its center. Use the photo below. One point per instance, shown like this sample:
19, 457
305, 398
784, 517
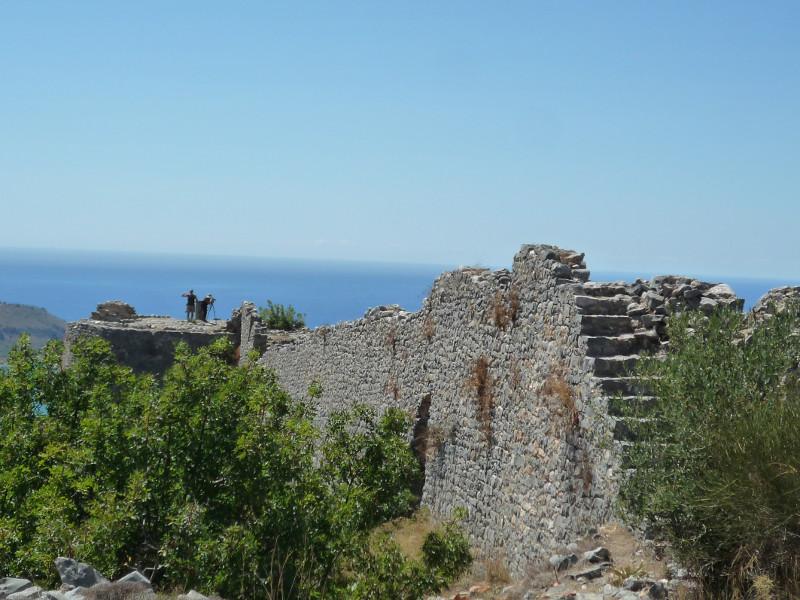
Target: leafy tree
717, 462
278, 316
207, 479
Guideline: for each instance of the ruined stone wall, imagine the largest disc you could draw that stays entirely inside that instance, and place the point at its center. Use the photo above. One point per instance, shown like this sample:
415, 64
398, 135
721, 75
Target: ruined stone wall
146, 344
516, 432
516, 382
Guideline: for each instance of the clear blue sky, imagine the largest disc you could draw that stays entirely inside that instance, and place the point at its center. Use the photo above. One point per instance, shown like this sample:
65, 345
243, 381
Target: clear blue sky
652, 135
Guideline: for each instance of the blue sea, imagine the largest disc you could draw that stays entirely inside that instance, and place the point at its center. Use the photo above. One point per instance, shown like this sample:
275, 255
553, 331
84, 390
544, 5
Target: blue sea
70, 284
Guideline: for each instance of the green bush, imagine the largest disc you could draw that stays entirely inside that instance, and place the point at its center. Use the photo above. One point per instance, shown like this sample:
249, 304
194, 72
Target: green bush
278, 316
207, 480
717, 461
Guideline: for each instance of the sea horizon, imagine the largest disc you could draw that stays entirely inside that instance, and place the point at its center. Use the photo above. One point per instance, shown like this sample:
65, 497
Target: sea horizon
70, 283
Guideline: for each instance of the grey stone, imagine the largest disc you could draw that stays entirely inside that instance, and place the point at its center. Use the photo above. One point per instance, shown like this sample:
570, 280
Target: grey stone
76, 593
134, 577
12, 585
77, 573
561, 562
54, 595
597, 555
722, 290
29, 593
657, 591
592, 573
192, 595
652, 300
636, 584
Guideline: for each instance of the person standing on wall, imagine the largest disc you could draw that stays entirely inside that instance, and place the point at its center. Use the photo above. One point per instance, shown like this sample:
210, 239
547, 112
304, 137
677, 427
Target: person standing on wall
202, 307
191, 303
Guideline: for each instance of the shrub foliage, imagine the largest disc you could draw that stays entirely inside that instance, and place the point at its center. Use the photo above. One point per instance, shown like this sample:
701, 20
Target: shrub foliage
278, 316
213, 479
717, 462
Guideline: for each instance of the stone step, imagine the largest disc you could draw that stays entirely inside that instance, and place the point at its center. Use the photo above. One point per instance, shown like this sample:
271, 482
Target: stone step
595, 288
627, 343
605, 325
615, 366
619, 406
624, 386
600, 305
625, 428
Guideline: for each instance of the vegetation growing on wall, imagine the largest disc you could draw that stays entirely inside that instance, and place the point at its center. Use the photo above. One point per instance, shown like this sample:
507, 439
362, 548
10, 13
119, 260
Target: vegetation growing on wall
718, 459
278, 316
481, 384
207, 480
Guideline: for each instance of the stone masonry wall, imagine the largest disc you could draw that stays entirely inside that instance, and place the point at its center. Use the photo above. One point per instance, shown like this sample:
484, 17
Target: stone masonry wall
516, 382
515, 430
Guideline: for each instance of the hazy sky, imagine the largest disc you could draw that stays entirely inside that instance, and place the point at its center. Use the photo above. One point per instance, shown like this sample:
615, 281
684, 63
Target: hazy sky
651, 135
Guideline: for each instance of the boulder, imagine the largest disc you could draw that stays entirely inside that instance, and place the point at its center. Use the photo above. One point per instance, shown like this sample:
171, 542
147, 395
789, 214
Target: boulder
77, 573
29, 593
12, 585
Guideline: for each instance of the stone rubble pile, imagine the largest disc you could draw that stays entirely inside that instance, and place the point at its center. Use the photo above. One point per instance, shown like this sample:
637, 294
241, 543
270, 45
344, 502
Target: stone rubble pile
113, 310
776, 300
80, 581
589, 577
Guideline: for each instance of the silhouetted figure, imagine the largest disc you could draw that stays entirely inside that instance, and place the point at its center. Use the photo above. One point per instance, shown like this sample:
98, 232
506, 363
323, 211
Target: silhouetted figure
202, 307
191, 303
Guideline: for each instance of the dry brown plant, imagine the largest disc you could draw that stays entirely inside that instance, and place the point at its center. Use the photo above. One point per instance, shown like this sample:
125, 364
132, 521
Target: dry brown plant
500, 312
557, 388
428, 328
513, 304
481, 383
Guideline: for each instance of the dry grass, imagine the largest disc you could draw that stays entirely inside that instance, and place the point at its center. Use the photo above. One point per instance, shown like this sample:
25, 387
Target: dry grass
496, 571
391, 340
513, 304
557, 388
428, 328
117, 591
500, 312
392, 388
436, 436
481, 383
409, 532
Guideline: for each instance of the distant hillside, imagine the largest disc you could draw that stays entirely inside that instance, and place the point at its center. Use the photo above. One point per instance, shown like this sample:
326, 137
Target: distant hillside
16, 319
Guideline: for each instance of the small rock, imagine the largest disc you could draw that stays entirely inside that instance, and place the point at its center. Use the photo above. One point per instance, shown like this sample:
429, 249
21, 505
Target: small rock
635, 584
77, 573
134, 577
561, 562
76, 593
479, 588
657, 591
597, 555
592, 573
53, 595
723, 290
192, 595
651, 300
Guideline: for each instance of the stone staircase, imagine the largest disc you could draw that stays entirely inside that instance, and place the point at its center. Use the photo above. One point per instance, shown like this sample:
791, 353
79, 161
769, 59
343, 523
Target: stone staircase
615, 342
